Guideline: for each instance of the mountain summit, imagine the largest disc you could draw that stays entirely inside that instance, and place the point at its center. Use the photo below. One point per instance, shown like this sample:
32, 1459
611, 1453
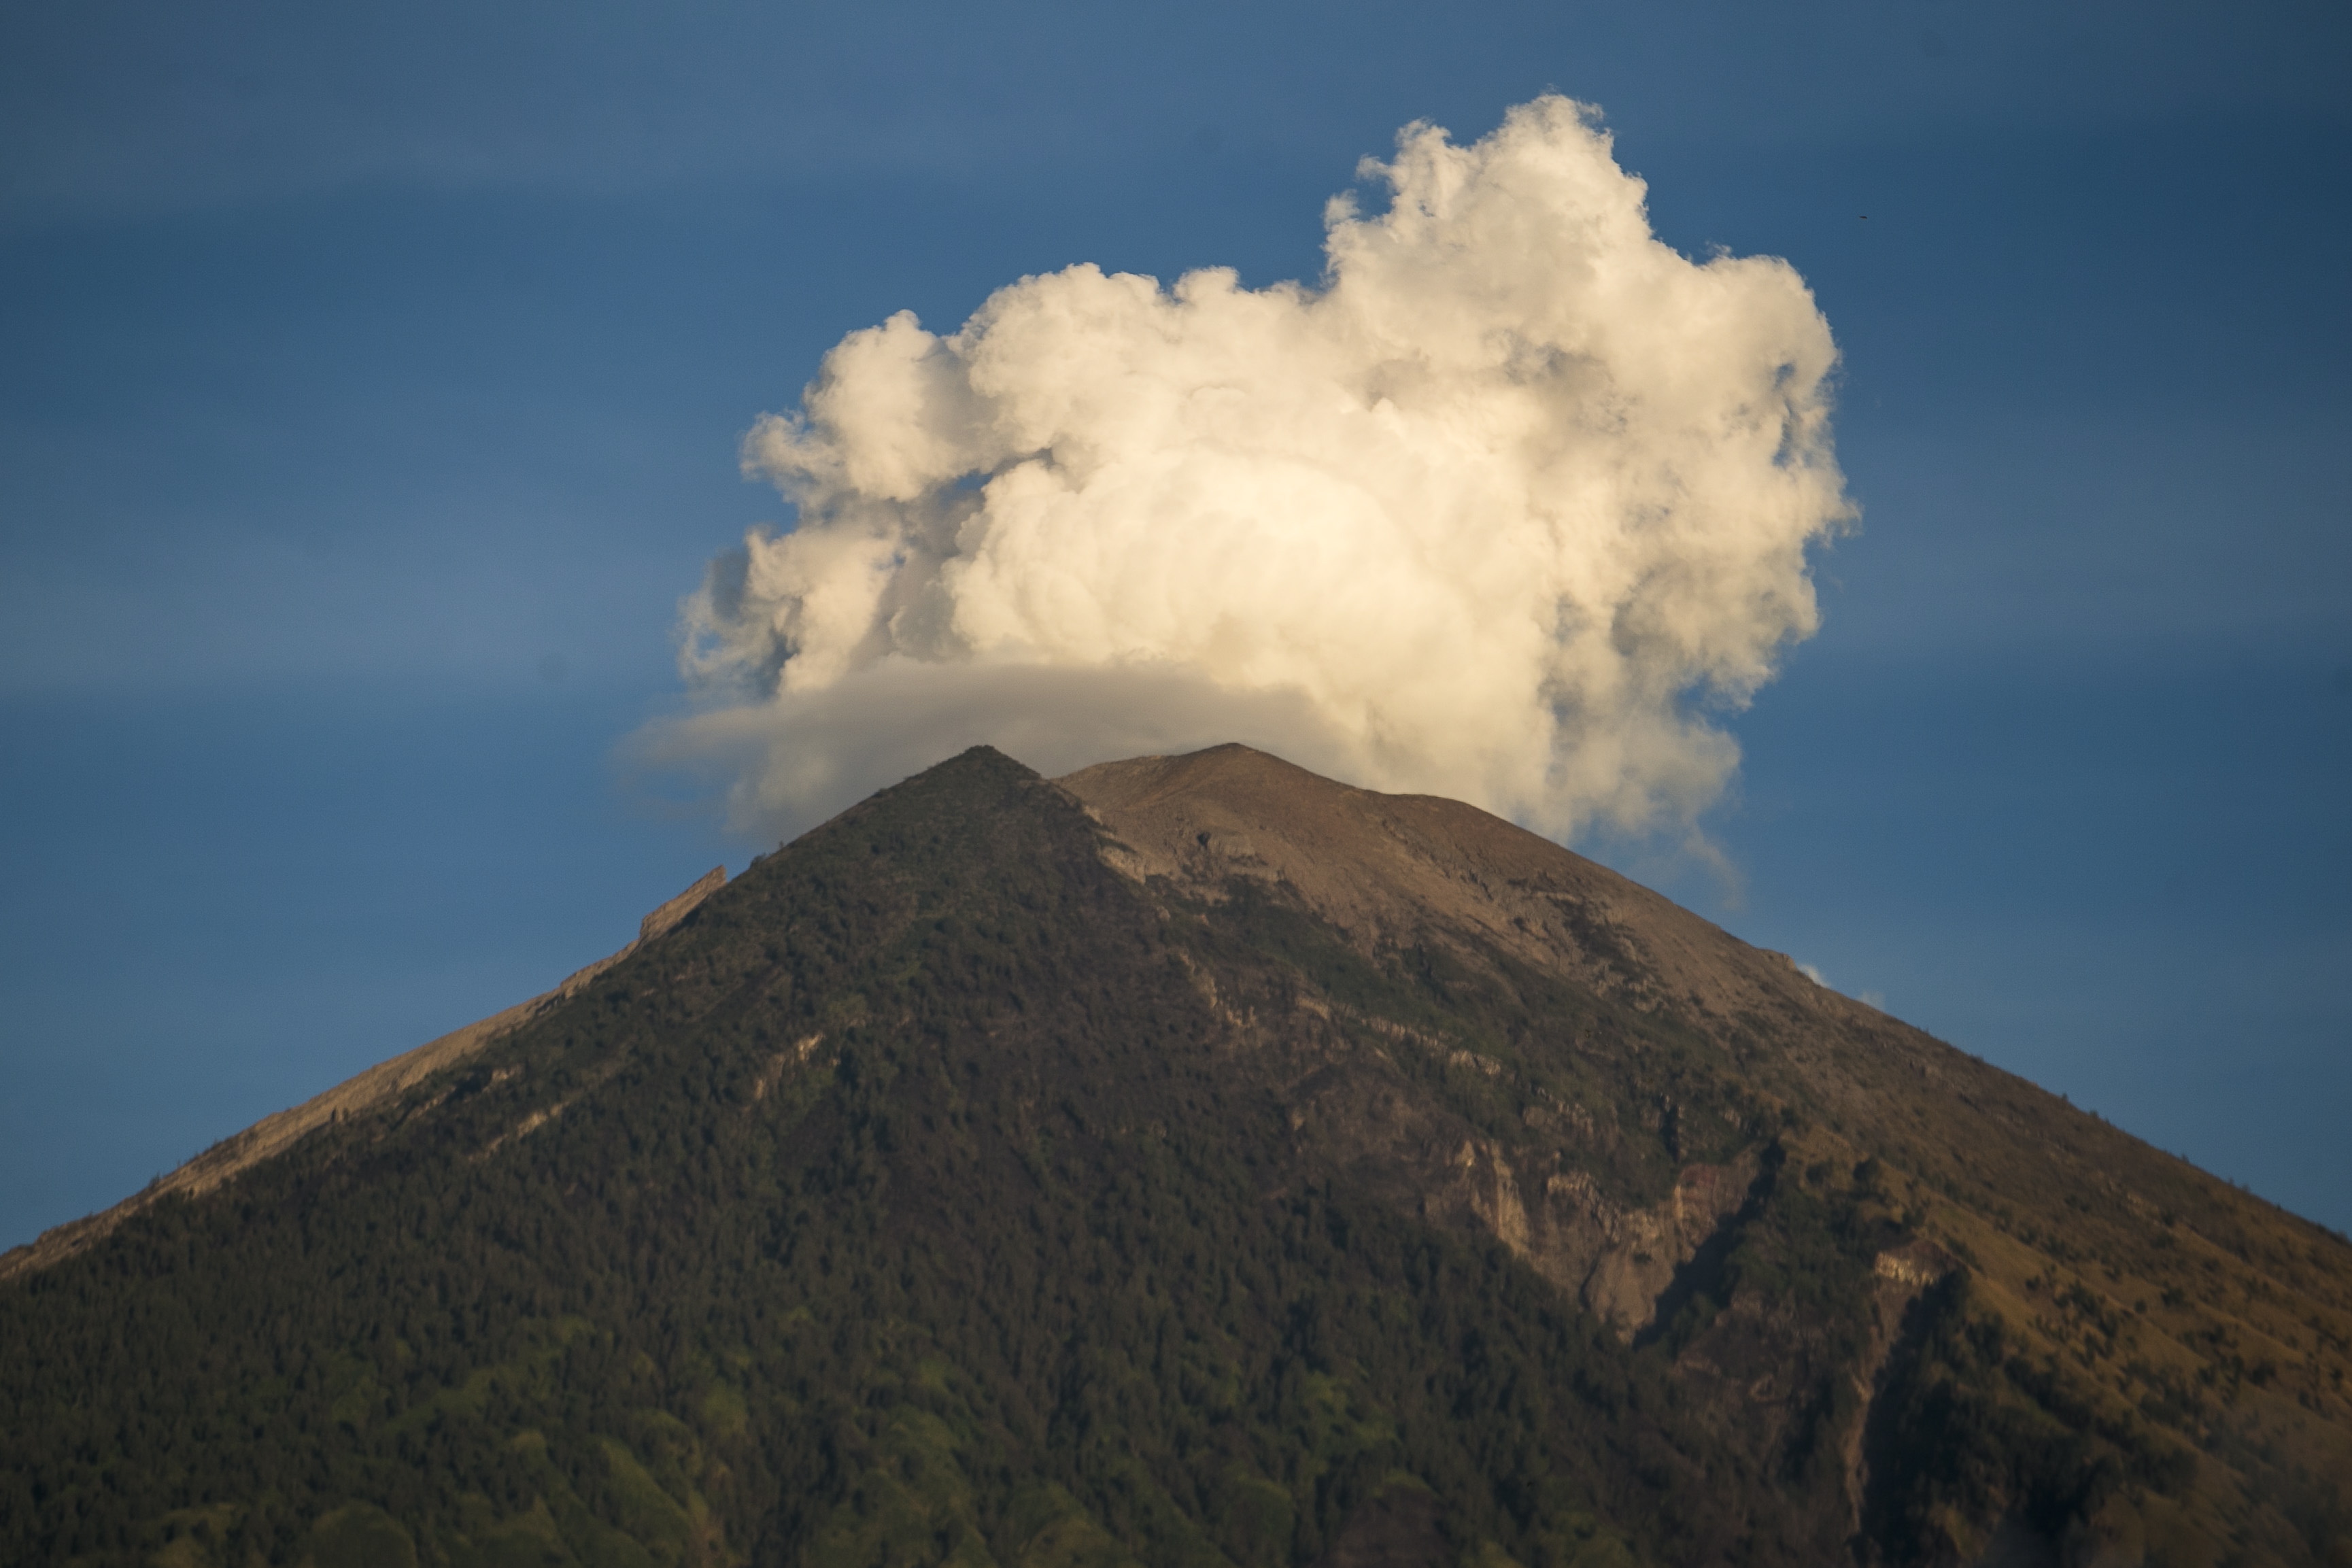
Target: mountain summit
1196, 1164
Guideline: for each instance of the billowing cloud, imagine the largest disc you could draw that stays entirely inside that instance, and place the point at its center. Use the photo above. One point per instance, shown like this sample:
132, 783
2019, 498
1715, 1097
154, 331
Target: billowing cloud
1503, 510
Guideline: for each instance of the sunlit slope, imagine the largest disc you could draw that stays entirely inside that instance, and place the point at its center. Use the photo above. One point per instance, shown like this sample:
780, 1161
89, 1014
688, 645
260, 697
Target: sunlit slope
1203, 1164
226, 1159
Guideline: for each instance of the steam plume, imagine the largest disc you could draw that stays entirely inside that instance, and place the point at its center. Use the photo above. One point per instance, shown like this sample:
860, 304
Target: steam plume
1502, 511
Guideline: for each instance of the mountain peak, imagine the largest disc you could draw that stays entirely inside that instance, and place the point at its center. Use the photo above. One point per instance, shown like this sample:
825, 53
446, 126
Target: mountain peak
1191, 1163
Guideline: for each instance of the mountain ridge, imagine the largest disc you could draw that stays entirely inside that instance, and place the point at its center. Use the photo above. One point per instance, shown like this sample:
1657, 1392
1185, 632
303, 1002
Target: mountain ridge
367, 1088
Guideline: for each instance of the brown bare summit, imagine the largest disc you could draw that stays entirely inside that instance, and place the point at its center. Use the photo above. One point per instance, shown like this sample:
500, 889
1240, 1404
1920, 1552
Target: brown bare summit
1392, 869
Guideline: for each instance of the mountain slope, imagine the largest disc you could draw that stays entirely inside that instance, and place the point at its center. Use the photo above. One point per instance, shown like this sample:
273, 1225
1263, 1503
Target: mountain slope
361, 1092
2161, 1310
1195, 1162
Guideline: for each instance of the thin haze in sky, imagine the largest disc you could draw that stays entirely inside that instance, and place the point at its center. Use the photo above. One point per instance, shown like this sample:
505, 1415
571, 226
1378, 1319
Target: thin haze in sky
375, 377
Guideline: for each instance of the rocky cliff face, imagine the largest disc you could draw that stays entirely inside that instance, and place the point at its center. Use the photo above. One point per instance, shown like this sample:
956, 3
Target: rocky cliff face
1193, 1163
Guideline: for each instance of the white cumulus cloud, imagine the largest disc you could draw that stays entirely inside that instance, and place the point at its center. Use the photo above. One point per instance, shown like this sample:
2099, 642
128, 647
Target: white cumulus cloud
1503, 509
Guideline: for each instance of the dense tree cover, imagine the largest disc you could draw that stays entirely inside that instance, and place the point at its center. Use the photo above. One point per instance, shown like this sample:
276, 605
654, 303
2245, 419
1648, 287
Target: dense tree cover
914, 1203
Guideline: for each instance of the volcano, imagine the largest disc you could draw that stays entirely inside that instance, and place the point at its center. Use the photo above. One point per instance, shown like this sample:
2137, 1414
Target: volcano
1189, 1163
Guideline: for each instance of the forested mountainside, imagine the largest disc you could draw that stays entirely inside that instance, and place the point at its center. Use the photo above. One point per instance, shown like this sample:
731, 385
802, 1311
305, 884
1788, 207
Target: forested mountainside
1192, 1163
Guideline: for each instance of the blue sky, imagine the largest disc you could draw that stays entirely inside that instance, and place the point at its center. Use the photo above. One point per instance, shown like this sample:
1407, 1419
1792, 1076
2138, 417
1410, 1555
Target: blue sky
371, 381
